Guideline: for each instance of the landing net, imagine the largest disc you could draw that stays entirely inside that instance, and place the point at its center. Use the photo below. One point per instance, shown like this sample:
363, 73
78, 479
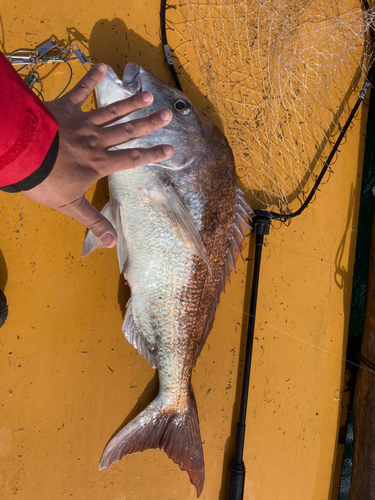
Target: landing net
282, 76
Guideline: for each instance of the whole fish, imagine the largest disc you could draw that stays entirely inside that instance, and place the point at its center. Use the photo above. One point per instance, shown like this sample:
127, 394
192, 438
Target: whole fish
180, 225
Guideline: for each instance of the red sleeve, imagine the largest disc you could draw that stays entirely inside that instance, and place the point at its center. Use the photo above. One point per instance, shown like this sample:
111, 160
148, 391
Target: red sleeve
27, 128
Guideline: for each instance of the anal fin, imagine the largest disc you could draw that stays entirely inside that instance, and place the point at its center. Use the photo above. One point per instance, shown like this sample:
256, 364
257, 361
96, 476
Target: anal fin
134, 337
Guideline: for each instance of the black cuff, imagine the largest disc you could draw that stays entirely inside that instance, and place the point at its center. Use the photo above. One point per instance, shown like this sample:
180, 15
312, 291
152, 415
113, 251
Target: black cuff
40, 174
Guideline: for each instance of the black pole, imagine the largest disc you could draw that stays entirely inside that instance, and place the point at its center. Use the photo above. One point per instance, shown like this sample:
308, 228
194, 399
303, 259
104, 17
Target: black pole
237, 466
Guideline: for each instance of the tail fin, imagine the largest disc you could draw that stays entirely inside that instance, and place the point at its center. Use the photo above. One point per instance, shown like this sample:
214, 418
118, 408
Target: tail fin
160, 426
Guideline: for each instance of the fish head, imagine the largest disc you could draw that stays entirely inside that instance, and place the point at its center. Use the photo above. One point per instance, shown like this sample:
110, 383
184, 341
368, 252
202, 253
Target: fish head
187, 131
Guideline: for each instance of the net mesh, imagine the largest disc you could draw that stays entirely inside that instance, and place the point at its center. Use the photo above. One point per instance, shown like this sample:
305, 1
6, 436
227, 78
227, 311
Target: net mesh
281, 76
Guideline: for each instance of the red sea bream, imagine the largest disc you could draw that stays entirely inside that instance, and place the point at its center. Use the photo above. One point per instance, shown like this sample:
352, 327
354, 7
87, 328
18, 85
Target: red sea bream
180, 225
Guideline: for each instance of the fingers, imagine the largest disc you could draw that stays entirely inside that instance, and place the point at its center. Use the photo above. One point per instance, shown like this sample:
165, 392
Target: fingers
86, 214
86, 85
124, 159
117, 110
124, 132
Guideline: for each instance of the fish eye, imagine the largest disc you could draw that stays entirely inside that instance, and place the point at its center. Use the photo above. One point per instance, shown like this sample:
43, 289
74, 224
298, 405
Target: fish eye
182, 107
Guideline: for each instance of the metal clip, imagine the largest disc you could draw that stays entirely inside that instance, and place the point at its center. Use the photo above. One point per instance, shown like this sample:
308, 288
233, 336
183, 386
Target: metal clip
80, 55
22, 57
52, 43
47, 52
168, 55
33, 79
16, 60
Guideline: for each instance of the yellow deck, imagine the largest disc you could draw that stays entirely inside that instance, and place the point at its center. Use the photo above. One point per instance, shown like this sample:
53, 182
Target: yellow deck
68, 377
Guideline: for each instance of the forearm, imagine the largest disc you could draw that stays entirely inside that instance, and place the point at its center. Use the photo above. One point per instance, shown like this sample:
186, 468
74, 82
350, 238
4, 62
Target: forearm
28, 134
56, 169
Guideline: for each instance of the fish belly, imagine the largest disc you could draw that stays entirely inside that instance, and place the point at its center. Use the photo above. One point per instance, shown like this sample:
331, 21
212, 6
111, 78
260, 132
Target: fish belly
162, 274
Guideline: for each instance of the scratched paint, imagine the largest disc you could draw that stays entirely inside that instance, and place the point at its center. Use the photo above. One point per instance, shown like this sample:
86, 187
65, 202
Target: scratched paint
68, 378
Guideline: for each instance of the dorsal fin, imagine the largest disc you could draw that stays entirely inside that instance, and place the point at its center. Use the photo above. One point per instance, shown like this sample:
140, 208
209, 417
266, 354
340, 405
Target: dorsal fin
240, 227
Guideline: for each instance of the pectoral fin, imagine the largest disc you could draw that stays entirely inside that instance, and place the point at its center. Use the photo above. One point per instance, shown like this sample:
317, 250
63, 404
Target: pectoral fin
165, 199
112, 211
121, 244
92, 242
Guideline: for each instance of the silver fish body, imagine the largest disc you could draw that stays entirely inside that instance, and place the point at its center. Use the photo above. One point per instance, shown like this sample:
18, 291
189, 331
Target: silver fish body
180, 225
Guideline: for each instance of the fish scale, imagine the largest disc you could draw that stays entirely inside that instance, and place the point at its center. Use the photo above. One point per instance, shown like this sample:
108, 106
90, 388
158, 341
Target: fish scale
180, 225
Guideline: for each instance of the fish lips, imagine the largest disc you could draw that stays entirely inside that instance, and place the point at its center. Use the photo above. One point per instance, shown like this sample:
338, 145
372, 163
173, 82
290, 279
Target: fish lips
131, 79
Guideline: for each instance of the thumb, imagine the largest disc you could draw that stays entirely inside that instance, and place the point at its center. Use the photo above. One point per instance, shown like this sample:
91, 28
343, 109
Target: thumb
99, 225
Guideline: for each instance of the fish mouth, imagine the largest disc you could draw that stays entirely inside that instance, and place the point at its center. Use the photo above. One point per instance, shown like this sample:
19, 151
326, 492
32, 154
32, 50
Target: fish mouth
131, 79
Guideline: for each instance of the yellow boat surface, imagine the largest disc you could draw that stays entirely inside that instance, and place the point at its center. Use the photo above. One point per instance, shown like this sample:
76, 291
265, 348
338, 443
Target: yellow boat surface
68, 377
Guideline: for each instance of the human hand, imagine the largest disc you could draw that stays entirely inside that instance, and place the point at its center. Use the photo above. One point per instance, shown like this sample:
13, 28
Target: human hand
83, 157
